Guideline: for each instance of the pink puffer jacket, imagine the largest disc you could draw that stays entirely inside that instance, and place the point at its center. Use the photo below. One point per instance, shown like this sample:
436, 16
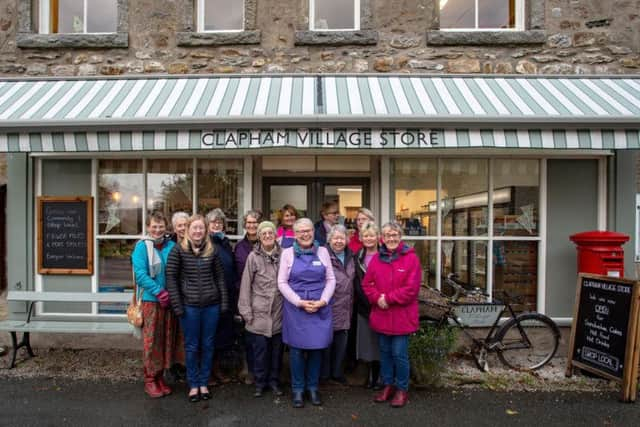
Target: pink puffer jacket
397, 275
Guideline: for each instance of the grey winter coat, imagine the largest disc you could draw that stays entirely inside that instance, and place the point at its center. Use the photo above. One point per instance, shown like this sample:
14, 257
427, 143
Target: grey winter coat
342, 302
260, 301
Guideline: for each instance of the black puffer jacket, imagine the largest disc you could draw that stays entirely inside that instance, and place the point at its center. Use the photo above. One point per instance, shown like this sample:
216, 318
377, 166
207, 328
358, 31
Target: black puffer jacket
195, 280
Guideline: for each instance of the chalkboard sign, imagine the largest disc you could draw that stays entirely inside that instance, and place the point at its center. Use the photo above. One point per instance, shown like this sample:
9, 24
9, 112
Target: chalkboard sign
65, 235
605, 328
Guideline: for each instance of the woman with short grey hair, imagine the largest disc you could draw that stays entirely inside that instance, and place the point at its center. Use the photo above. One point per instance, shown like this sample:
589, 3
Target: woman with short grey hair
343, 264
179, 225
216, 215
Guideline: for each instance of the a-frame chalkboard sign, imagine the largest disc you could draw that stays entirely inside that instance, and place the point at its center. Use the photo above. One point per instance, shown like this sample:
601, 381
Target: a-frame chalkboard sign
605, 332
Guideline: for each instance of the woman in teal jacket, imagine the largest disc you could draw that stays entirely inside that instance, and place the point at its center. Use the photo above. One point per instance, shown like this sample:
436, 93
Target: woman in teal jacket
162, 339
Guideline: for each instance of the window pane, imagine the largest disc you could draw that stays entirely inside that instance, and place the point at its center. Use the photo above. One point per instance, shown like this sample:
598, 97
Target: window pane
222, 15
515, 270
515, 197
102, 16
70, 16
496, 13
334, 14
220, 186
169, 186
468, 260
114, 272
414, 187
120, 197
426, 251
457, 14
464, 197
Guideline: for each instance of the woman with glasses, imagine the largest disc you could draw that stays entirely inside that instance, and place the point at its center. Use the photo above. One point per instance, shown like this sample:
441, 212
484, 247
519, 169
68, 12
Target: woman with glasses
392, 284
260, 305
307, 282
364, 215
330, 215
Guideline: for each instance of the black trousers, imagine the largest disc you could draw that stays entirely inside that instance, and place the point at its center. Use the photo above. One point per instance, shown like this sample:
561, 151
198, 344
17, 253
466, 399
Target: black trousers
267, 358
333, 356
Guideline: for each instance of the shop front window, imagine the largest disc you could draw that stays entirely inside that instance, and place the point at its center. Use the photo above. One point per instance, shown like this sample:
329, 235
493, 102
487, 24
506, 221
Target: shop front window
220, 185
120, 197
490, 247
114, 271
170, 186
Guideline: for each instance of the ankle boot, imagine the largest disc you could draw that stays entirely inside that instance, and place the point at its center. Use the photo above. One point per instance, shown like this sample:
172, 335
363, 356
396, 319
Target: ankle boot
375, 374
400, 399
152, 388
385, 394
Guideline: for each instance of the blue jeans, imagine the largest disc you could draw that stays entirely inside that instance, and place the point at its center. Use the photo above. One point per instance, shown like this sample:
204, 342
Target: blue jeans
394, 358
199, 326
305, 373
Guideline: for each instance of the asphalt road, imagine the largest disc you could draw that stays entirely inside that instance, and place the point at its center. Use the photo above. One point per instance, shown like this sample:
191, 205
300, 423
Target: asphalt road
46, 402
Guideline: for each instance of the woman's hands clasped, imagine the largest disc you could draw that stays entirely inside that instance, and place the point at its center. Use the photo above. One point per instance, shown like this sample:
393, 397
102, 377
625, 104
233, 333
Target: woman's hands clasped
312, 306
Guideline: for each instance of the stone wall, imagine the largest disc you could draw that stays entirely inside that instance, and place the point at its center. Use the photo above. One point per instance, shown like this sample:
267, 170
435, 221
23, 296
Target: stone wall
581, 37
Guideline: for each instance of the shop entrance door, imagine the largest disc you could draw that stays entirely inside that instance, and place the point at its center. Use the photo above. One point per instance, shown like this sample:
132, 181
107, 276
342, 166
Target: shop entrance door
308, 194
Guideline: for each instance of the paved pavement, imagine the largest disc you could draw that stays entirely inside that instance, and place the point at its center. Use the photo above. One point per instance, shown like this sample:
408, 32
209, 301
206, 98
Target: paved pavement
31, 402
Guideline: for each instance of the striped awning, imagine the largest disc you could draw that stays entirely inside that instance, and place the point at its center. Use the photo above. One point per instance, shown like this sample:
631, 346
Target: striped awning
216, 103
325, 139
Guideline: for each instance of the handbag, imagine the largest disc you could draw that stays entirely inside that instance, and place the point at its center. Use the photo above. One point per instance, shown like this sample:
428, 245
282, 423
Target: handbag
134, 310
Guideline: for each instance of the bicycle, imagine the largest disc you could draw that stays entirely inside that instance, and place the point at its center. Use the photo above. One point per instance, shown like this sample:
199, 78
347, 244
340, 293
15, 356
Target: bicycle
525, 342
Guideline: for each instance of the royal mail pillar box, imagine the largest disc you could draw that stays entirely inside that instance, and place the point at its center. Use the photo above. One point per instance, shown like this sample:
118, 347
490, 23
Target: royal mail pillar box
600, 252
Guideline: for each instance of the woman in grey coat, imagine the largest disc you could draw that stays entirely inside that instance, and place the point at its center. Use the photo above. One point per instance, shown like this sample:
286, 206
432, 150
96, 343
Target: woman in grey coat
343, 263
260, 305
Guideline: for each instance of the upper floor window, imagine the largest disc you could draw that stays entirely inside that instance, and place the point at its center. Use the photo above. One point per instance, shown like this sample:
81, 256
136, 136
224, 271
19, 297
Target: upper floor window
491, 15
327, 15
78, 16
220, 15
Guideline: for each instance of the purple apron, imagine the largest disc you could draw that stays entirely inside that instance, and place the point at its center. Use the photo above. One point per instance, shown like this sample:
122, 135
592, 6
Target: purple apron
301, 329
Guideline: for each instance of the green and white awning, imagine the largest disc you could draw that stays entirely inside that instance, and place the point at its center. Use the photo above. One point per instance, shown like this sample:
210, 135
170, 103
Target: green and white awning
325, 139
507, 105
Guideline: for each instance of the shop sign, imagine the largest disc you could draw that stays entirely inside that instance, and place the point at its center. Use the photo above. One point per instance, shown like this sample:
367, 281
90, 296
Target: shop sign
324, 138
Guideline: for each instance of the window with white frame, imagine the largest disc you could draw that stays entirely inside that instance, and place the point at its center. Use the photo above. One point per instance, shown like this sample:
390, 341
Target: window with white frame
220, 15
78, 16
443, 205
130, 189
337, 15
485, 15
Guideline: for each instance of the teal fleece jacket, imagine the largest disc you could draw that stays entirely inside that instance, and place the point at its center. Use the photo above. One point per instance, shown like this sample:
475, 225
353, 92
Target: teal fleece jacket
150, 287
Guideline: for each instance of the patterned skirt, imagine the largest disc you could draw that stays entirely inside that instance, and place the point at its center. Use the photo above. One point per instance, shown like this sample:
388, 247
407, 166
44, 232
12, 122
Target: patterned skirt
163, 341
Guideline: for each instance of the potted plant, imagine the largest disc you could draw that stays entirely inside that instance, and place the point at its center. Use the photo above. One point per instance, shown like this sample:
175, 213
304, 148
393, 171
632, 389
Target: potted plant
428, 350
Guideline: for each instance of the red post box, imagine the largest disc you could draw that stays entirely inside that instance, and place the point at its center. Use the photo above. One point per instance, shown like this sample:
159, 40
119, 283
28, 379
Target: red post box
600, 252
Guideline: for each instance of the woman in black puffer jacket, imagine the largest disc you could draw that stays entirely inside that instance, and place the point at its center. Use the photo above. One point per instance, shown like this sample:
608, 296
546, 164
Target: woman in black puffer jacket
195, 281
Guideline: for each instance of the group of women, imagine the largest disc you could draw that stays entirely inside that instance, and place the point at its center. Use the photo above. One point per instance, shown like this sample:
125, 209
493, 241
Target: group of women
312, 287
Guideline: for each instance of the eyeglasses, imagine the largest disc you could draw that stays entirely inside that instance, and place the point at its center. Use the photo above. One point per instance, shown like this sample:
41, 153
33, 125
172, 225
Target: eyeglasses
304, 231
332, 213
392, 235
267, 233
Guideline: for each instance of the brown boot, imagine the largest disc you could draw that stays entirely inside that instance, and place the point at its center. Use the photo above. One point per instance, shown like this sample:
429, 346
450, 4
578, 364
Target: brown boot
385, 394
166, 390
400, 399
152, 388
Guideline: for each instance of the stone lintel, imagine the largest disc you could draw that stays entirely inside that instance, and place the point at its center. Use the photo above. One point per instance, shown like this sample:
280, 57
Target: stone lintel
45, 41
451, 38
190, 39
336, 38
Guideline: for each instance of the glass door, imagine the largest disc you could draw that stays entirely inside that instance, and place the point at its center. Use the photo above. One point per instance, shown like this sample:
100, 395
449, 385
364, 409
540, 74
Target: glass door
308, 194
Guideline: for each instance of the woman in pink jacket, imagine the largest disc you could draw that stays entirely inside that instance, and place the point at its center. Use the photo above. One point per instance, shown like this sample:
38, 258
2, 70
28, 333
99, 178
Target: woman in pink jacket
392, 283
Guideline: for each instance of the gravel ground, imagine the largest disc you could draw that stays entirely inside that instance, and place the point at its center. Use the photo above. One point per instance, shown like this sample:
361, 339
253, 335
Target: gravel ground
126, 366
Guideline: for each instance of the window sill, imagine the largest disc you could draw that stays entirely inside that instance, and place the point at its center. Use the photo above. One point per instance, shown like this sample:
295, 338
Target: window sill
191, 39
336, 38
476, 38
46, 41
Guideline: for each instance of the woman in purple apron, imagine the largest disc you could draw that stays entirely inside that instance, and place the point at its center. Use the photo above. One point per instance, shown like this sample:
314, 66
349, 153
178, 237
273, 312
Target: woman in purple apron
306, 281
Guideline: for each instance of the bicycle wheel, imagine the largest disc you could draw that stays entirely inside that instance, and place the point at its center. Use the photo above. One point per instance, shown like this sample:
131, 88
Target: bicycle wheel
528, 342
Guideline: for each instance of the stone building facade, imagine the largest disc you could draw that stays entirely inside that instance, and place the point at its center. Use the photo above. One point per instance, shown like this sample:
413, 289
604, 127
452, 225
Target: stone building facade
399, 36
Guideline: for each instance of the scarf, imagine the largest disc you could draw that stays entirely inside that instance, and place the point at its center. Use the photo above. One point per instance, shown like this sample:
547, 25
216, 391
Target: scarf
387, 256
297, 250
153, 257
